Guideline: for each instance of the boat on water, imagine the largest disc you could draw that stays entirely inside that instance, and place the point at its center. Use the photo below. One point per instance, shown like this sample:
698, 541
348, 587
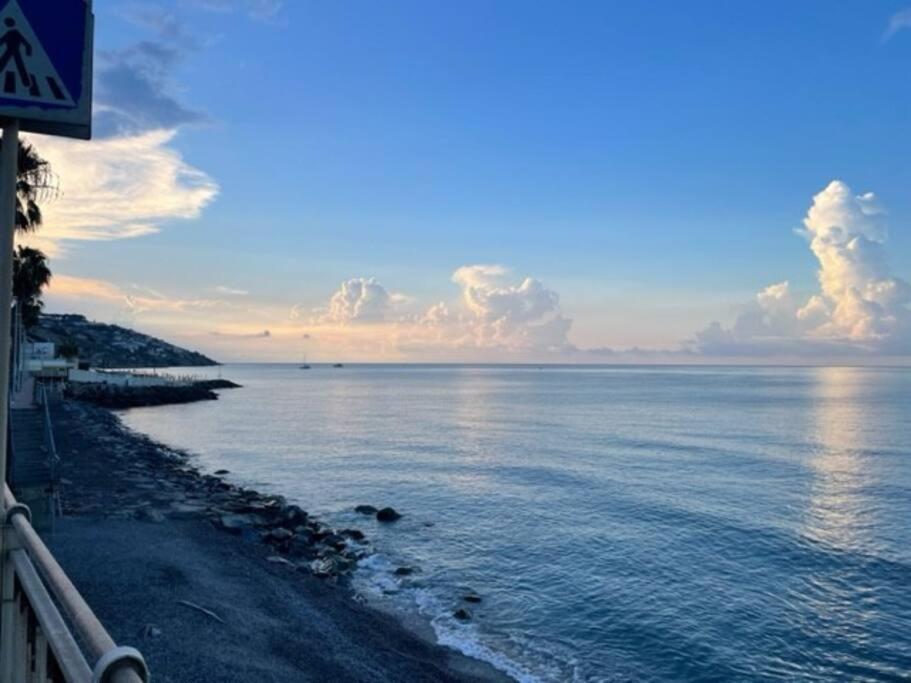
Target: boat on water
338, 365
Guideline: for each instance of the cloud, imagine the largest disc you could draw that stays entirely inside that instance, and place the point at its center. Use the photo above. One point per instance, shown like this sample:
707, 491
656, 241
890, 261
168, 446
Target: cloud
490, 313
860, 308
523, 316
265, 334
118, 188
359, 300
141, 300
130, 180
133, 93
135, 85
258, 9
230, 291
897, 22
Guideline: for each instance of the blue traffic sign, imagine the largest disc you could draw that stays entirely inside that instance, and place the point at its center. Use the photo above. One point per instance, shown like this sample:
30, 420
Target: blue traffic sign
46, 65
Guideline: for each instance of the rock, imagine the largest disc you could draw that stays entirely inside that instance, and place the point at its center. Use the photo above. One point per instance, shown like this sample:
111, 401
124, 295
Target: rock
293, 516
281, 534
221, 473
353, 534
301, 546
388, 515
472, 597
321, 569
462, 614
334, 541
404, 571
151, 631
186, 511
365, 510
233, 524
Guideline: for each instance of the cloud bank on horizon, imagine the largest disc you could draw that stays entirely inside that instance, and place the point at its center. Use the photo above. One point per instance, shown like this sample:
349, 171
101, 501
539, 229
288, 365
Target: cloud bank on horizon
492, 314
861, 309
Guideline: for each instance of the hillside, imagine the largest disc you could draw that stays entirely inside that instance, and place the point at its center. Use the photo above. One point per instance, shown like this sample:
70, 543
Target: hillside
111, 346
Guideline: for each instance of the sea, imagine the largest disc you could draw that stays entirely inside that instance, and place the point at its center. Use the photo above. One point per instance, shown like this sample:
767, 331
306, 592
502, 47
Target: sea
618, 523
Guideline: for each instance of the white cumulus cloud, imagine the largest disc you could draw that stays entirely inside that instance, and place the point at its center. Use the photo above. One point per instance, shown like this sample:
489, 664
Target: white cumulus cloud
490, 312
518, 316
117, 188
861, 306
358, 300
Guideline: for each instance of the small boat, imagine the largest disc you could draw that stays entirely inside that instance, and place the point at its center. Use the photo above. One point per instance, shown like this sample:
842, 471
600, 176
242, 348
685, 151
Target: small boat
304, 364
338, 365
304, 367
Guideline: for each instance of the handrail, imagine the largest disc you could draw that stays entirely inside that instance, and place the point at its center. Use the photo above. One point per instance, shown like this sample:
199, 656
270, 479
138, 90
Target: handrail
49, 441
69, 657
122, 665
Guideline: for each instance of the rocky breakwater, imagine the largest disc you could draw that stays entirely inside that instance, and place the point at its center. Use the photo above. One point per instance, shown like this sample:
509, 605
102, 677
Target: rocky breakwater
120, 397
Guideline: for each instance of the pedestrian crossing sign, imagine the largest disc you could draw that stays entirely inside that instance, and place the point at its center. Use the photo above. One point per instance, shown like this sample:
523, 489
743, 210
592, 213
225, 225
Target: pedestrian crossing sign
46, 65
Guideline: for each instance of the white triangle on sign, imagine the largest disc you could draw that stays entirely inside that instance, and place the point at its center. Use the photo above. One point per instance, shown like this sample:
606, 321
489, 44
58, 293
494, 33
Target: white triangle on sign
26, 72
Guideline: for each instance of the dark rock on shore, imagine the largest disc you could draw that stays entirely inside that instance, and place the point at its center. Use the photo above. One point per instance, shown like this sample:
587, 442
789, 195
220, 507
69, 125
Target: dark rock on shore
404, 571
353, 534
365, 510
388, 515
462, 614
472, 597
218, 384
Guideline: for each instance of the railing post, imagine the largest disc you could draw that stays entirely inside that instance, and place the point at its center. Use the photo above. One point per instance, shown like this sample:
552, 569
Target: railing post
8, 608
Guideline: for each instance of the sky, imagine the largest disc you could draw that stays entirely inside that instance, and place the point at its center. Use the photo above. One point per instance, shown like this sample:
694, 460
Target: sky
494, 181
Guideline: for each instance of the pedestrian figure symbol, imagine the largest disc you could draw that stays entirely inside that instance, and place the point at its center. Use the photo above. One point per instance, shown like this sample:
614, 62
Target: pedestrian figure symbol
13, 43
26, 72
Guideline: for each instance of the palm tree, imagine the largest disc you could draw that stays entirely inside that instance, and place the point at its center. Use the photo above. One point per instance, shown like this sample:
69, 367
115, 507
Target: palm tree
35, 181
30, 276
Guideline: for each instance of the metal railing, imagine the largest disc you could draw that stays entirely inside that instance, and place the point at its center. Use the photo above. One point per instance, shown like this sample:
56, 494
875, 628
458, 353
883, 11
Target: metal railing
39, 641
42, 397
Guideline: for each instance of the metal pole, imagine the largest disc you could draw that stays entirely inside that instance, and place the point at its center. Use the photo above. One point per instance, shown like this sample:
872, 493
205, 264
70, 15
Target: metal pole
9, 167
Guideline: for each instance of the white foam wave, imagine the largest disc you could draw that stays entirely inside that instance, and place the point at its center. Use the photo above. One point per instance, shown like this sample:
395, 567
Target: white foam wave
375, 577
466, 639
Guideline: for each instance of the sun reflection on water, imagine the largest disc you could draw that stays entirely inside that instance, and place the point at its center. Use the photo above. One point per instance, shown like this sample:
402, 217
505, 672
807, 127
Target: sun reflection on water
841, 512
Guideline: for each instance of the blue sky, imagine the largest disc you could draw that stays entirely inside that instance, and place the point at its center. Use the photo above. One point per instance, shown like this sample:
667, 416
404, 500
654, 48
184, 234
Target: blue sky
649, 164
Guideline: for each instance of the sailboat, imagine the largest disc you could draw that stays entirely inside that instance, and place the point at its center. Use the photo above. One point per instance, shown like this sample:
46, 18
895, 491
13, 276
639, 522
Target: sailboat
305, 365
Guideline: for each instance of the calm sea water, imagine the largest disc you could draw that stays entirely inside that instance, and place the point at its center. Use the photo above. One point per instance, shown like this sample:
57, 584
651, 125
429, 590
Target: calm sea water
653, 524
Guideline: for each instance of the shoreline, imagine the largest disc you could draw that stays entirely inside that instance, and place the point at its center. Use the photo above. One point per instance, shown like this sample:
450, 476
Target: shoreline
144, 527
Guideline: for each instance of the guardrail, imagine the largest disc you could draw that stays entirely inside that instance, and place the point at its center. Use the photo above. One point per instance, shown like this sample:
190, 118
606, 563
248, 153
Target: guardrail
36, 641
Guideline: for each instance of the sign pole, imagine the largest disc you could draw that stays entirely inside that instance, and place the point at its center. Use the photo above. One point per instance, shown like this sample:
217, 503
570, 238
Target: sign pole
9, 162
9, 168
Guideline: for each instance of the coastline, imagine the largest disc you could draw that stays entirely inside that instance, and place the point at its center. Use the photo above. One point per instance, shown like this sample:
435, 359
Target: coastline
194, 572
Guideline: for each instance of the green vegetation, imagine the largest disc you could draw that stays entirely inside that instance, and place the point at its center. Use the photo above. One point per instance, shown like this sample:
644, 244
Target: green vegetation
31, 273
